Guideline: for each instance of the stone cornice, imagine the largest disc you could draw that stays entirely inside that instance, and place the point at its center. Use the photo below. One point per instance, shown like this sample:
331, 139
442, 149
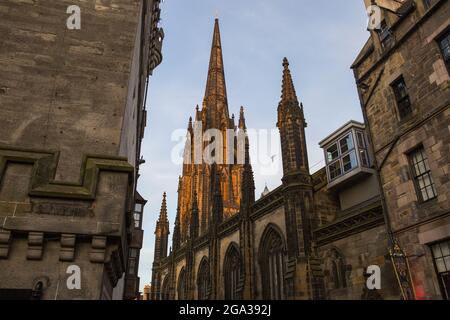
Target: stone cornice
42, 182
356, 221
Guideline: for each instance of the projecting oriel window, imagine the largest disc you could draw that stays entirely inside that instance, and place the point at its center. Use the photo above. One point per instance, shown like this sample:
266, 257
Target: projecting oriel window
342, 156
422, 175
402, 98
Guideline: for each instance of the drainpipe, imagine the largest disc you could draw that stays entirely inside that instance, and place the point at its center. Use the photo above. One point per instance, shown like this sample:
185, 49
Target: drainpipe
395, 252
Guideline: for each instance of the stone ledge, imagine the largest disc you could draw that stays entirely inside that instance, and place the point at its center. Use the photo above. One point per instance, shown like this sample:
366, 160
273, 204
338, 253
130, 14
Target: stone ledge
44, 163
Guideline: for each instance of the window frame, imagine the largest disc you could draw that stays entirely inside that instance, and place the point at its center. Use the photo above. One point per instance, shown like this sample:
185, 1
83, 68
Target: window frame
386, 36
444, 293
428, 172
400, 100
444, 36
134, 260
137, 223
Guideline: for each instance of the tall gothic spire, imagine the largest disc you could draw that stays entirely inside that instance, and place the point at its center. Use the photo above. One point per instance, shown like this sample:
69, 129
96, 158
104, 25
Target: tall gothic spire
215, 100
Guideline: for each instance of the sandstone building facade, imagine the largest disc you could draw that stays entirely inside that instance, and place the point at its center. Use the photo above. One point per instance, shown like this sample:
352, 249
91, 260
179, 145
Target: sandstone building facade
402, 74
72, 106
313, 237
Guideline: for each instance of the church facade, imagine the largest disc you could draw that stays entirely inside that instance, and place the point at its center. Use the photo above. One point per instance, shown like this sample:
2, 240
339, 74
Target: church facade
313, 237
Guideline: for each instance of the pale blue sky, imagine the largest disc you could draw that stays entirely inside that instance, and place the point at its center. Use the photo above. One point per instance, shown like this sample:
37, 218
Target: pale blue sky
321, 38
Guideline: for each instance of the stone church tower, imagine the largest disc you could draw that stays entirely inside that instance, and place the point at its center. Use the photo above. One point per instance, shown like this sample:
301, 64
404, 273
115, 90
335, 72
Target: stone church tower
196, 185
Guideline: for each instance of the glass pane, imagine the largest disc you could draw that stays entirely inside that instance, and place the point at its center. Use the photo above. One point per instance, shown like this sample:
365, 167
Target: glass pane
445, 248
437, 251
350, 161
430, 192
137, 220
421, 167
360, 138
447, 263
425, 196
138, 207
421, 183
335, 170
133, 253
440, 265
332, 153
364, 159
346, 144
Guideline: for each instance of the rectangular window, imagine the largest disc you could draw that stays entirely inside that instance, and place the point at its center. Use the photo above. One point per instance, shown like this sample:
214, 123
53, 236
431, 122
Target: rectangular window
422, 175
346, 144
385, 34
335, 170
132, 266
402, 98
350, 162
332, 153
444, 44
138, 207
137, 220
441, 256
362, 147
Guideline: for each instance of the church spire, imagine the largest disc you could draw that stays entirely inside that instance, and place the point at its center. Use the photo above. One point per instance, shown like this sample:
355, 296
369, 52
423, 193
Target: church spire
288, 94
162, 232
215, 101
291, 123
163, 211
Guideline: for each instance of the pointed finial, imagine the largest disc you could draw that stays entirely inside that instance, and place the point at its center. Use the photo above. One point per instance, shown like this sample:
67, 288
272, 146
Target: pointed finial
216, 14
288, 93
242, 119
163, 212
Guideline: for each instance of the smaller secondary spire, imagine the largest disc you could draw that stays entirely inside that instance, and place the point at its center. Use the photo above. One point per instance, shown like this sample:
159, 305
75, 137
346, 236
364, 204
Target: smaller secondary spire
288, 93
163, 212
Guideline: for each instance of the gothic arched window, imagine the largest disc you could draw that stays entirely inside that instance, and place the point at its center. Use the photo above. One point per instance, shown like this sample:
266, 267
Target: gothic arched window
203, 280
165, 288
338, 270
232, 273
271, 257
181, 285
